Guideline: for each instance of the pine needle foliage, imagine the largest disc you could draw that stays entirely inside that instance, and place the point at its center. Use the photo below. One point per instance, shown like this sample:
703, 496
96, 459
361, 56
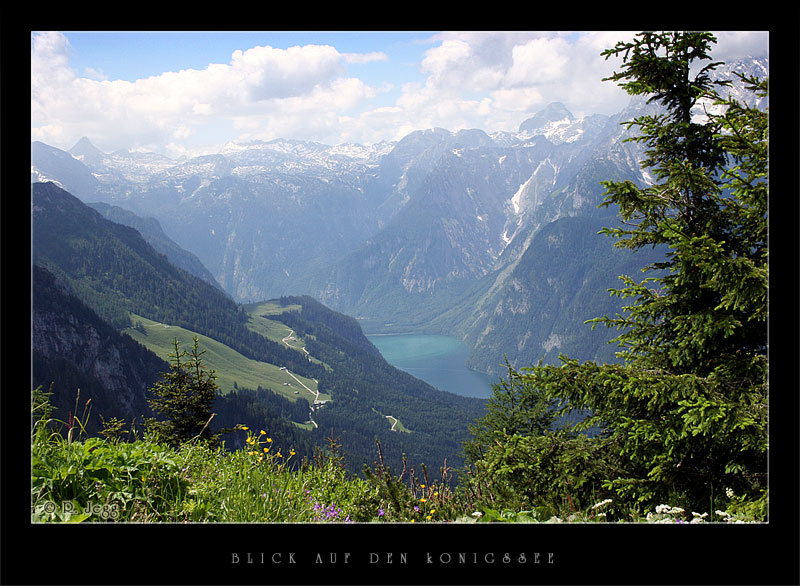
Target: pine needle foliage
684, 415
183, 398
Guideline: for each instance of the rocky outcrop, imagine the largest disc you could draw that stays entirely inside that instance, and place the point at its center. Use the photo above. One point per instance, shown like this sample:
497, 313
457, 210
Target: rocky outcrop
72, 348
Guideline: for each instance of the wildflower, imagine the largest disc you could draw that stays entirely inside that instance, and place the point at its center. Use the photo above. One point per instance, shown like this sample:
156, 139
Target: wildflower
381, 512
477, 514
244, 427
433, 511
729, 493
269, 440
428, 518
416, 508
292, 453
266, 450
262, 432
280, 455
422, 500
435, 494
605, 502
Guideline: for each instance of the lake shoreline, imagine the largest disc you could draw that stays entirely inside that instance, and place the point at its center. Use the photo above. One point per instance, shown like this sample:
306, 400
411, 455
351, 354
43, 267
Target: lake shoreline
437, 359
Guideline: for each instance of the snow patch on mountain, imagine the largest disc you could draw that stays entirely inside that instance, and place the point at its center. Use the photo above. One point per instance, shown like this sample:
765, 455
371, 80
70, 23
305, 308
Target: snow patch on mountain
515, 199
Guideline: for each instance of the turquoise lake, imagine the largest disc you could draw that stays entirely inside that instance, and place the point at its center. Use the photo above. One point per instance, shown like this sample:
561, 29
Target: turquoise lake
438, 360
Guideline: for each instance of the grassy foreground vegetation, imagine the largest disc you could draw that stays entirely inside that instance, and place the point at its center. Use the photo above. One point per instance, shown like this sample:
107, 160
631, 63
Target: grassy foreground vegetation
109, 479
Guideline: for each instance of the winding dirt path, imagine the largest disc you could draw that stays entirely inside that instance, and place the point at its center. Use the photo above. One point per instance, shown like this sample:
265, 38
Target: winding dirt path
291, 336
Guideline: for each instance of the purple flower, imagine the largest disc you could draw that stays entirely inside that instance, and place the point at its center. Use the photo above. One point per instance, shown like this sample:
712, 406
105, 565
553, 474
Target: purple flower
380, 512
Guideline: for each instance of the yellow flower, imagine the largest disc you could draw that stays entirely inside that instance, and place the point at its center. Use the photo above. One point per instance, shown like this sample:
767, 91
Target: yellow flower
262, 432
269, 440
422, 500
412, 520
435, 494
428, 518
292, 453
244, 427
266, 450
433, 511
280, 455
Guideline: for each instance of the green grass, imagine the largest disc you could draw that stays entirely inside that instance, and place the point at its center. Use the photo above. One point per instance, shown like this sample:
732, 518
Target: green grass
76, 479
267, 308
230, 366
276, 331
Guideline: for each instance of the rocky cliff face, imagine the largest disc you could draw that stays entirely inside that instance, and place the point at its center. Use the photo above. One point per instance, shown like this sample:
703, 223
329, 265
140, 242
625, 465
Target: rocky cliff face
71, 345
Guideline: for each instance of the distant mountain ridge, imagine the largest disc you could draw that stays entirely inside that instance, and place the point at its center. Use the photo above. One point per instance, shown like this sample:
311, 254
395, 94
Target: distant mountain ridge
425, 233
151, 231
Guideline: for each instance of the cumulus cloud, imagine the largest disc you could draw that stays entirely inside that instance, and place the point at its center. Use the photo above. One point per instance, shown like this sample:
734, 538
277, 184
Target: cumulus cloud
487, 80
270, 86
518, 74
538, 61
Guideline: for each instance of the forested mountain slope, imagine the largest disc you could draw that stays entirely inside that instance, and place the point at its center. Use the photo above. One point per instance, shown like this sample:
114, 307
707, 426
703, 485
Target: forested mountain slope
112, 270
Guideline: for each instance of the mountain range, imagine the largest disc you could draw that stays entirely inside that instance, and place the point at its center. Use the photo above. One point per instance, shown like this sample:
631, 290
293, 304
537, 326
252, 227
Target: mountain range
107, 305
488, 237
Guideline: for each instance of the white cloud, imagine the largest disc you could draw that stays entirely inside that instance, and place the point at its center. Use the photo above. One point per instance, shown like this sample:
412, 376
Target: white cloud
538, 61
362, 58
732, 45
496, 80
487, 80
280, 89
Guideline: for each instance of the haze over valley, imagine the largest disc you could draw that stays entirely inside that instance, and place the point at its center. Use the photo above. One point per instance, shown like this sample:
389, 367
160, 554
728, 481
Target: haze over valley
282, 250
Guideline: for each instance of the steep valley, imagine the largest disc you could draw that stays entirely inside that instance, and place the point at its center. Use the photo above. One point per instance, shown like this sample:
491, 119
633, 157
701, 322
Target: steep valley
423, 234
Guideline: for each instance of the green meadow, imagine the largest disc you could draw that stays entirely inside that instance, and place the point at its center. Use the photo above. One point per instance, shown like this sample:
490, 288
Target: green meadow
229, 365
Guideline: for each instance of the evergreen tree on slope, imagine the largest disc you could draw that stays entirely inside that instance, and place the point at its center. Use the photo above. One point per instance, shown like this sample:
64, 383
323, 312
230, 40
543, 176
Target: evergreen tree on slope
685, 416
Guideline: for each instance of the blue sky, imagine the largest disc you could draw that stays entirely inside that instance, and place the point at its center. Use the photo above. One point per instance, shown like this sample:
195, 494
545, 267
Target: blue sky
187, 93
130, 56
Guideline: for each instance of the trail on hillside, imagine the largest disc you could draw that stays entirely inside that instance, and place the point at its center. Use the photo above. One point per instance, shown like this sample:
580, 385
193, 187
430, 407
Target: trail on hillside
290, 336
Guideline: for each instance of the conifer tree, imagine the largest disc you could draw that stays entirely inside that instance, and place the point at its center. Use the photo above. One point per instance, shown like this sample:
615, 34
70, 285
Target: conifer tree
184, 398
684, 416
516, 407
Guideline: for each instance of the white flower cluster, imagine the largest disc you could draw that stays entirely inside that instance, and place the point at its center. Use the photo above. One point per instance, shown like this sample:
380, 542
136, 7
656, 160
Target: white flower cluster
698, 518
664, 514
668, 514
667, 510
728, 518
